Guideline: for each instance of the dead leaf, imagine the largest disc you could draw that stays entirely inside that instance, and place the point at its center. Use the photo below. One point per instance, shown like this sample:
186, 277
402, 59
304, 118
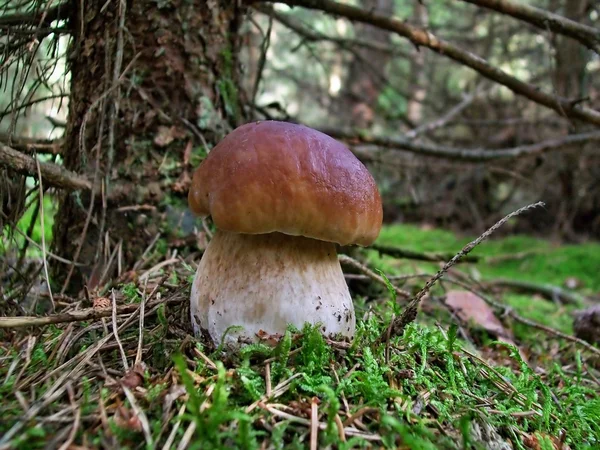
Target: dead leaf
166, 135
134, 377
269, 339
471, 308
101, 302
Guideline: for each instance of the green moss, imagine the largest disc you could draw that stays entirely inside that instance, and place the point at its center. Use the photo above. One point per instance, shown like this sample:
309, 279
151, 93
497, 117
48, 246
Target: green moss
540, 261
36, 235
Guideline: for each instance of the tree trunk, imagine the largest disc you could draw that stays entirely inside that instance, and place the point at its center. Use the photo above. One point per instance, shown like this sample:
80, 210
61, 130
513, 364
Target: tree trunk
571, 60
150, 83
418, 77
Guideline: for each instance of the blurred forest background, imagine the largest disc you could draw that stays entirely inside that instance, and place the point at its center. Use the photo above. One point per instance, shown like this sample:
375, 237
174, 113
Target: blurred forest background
462, 112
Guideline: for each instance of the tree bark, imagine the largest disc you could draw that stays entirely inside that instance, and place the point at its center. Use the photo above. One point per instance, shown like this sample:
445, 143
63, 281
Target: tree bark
150, 82
418, 78
571, 60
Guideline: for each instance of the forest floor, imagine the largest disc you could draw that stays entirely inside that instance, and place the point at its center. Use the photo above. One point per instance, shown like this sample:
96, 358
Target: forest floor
491, 361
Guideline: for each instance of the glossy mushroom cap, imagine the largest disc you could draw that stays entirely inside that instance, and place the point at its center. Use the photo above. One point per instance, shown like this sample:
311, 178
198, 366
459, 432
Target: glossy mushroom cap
275, 176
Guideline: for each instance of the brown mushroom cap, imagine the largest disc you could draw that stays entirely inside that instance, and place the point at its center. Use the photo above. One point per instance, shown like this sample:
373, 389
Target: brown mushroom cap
275, 176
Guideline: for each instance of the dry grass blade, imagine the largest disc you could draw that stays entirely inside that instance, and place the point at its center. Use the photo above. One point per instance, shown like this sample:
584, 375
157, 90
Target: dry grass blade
76, 420
116, 332
43, 234
138, 356
58, 388
78, 315
278, 390
349, 431
314, 424
351, 262
141, 415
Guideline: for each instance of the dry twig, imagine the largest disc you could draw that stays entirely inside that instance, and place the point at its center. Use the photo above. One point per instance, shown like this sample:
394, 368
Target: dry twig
347, 260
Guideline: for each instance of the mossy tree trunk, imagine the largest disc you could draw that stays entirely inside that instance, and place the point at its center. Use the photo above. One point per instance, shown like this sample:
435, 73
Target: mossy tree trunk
151, 83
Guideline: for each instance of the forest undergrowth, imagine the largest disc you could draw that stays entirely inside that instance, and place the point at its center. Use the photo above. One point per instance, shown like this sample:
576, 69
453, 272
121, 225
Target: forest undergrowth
120, 368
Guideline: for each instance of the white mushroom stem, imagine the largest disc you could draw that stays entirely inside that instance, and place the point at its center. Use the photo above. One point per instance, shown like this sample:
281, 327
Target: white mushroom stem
265, 282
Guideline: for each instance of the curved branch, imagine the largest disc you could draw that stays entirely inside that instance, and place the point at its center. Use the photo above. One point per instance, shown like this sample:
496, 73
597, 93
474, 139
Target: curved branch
544, 20
422, 37
52, 174
471, 155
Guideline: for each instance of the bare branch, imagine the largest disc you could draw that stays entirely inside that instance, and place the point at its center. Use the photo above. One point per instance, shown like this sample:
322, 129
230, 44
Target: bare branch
315, 36
422, 37
588, 36
548, 291
396, 252
38, 18
442, 121
471, 155
52, 174
32, 145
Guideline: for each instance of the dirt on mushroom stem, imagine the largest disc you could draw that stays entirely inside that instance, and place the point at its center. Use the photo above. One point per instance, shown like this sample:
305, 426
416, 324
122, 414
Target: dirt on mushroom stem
263, 283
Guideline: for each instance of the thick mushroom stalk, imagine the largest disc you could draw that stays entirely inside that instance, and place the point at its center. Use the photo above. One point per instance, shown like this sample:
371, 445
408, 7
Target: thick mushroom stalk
264, 282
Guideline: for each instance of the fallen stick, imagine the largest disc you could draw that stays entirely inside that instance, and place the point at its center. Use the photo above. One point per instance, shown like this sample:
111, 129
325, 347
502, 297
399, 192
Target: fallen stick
92, 314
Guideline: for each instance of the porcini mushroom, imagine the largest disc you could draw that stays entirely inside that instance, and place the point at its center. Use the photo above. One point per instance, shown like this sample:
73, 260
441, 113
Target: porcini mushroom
281, 196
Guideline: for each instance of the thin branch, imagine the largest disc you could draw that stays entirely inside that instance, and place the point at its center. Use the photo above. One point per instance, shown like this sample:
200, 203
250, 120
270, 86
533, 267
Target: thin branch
38, 18
43, 233
544, 20
31, 145
52, 174
473, 155
263, 59
351, 262
116, 331
397, 252
89, 314
422, 37
548, 291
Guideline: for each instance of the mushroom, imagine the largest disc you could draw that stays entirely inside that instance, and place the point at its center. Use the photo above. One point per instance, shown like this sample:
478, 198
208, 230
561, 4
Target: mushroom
281, 196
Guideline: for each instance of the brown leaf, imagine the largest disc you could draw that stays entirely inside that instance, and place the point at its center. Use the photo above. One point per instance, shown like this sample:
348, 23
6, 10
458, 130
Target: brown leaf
183, 183
134, 377
471, 308
532, 441
269, 339
127, 419
166, 135
101, 302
